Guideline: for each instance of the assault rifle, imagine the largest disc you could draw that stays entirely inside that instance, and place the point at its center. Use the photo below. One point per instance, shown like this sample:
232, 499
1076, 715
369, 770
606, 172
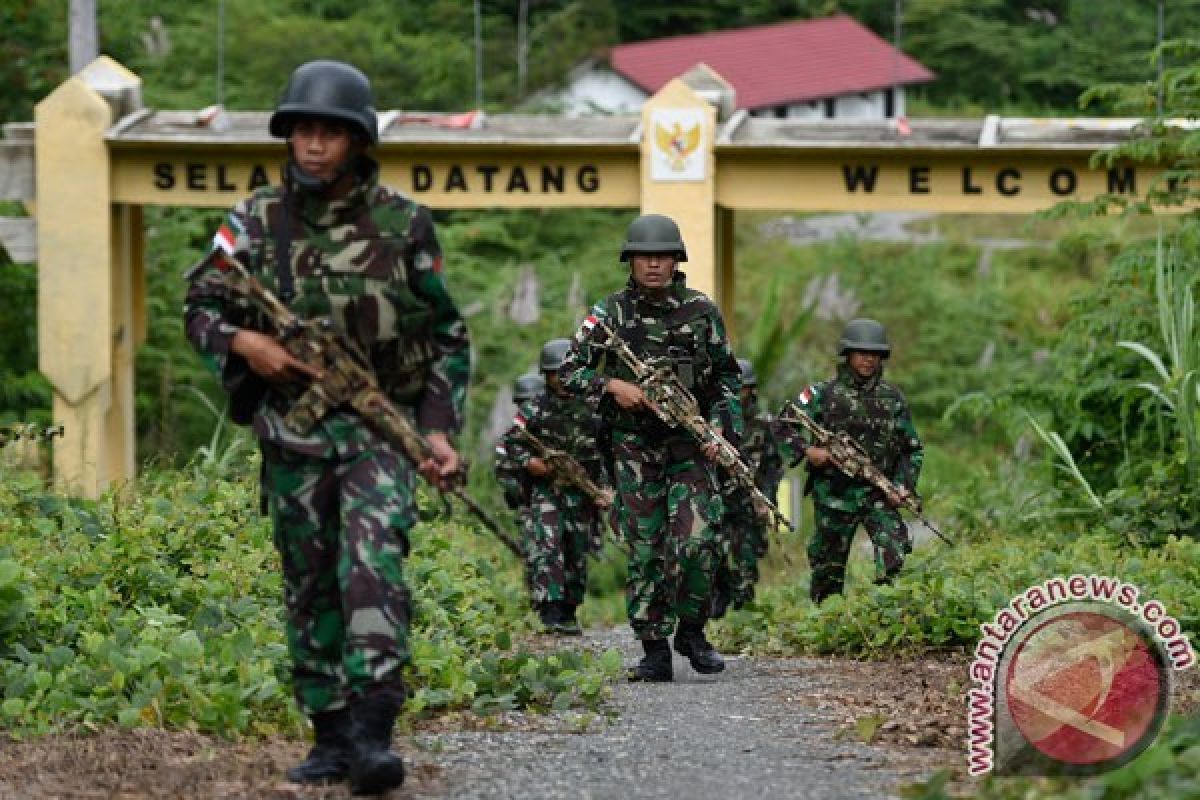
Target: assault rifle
849, 457
564, 470
346, 379
674, 404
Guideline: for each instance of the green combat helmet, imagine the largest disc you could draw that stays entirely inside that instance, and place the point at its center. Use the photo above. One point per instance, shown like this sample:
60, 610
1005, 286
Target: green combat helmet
749, 378
653, 233
866, 336
554, 353
332, 89
528, 386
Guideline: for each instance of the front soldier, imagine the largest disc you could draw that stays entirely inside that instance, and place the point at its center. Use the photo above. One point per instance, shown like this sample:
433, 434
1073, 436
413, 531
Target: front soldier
331, 242
667, 507
745, 531
563, 520
874, 412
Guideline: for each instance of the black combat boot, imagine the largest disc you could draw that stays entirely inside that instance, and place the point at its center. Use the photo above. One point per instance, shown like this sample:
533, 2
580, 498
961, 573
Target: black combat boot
655, 666
374, 768
550, 615
690, 643
567, 624
329, 759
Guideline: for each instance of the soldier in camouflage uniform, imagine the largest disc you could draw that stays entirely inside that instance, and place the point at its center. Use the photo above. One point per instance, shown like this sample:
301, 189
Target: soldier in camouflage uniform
563, 520
667, 507
513, 479
745, 532
332, 242
859, 402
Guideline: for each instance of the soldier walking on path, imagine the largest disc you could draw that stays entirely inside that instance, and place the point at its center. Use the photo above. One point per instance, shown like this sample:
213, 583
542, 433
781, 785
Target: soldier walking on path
667, 506
874, 413
513, 479
744, 530
331, 242
563, 520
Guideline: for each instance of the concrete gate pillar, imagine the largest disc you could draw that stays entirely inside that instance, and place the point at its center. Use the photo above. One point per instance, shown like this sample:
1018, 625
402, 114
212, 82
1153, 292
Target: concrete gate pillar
90, 310
678, 174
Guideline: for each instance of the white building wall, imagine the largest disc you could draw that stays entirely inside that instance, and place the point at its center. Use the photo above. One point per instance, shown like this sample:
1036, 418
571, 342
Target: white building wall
867, 105
595, 91
598, 90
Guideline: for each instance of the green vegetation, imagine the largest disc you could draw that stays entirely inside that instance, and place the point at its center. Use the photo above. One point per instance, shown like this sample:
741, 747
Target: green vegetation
1009, 56
160, 605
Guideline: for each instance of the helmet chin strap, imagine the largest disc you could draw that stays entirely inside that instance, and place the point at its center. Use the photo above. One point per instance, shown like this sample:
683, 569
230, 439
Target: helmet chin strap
312, 184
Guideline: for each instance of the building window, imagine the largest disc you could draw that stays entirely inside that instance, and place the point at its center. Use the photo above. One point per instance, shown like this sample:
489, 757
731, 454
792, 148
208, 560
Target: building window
781, 112
830, 107
889, 103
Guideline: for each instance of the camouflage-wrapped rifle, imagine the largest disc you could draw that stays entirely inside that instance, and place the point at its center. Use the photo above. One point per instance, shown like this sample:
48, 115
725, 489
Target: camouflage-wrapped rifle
849, 457
674, 404
564, 470
346, 379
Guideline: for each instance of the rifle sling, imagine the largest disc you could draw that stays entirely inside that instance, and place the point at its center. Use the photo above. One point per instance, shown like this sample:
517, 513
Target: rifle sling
283, 246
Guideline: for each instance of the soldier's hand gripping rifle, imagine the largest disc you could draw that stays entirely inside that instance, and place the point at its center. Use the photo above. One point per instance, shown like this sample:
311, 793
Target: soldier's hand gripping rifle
564, 470
675, 405
849, 457
346, 379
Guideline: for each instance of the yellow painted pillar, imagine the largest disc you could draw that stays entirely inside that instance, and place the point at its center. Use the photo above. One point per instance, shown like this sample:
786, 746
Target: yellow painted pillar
119, 430
678, 132
79, 297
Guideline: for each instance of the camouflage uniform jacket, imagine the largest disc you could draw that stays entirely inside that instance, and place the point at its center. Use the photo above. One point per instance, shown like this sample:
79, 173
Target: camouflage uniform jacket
370, 261
513, 479
683, 329
876, 414
561, 422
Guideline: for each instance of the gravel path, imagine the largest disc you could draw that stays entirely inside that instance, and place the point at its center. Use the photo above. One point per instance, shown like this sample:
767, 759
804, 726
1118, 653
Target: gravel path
745, 733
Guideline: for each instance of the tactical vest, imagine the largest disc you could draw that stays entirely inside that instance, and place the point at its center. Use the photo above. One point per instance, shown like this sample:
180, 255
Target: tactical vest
676, 337
868, 414
351, 269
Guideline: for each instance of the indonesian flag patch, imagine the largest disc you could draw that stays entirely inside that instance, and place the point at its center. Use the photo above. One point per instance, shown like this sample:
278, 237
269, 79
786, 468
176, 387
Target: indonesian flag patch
589, 322
806, 396
224, 240
519, 420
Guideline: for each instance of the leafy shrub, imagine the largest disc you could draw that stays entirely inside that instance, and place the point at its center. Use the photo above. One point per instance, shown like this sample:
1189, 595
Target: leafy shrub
944, 595
163, 607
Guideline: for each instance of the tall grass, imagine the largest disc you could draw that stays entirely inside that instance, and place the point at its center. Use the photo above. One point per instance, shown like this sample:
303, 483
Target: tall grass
1177, 367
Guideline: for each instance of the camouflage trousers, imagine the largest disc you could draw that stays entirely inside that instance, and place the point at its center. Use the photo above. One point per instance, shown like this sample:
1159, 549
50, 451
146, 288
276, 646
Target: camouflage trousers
668, 512
744, 541
829, 548
341, 526
559, 533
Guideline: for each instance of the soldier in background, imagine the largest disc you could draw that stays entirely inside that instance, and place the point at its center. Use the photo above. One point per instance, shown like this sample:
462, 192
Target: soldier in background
667, 509
874, 412
332, 242
563, 521
513, 479
745, 531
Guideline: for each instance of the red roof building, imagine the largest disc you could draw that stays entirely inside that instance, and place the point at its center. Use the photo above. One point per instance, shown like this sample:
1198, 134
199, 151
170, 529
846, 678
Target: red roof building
831, 67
